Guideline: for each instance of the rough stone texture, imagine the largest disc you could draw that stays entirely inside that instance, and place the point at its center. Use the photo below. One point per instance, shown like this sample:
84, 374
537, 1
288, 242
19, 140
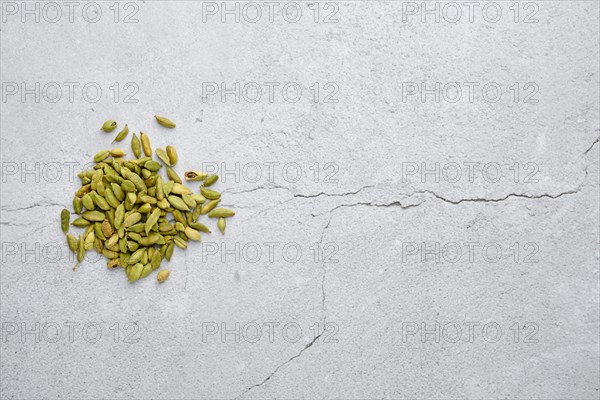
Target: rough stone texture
369, 214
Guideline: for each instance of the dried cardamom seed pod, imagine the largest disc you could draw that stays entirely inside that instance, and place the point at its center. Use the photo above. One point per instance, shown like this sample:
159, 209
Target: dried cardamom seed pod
221, 213
192, 234
136, 146
163, 275
172, 154
122, 135
207, 207
210, 194
222, 224
162, 155
117, 153
65, 216
146, 144
210, 180
109, 125
101, 155
194, 175
173, 175
72, 242
77, 204
166, 122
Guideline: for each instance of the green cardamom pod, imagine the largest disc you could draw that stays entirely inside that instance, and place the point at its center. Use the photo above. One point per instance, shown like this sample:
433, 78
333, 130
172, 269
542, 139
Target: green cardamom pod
162, 155
169, 251
80, 222
210, 180
135, 146
109, 125
146, 144
173, 175
122, 135
132, 219
152, 219
192, 233
221, 225
166, 122
152, 166
178, 203
207, 207
163, 275
179, 242
210, 194
72, 242
116, 153
194, 175
77, 204
65, 217
101, 155
221, 213
172, 154
94, 216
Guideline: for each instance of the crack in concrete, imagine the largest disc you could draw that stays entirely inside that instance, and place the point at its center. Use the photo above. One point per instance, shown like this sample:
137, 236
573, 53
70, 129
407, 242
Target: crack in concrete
39, 204
309, 196
280, 366
497, 200
324, 270
592, 146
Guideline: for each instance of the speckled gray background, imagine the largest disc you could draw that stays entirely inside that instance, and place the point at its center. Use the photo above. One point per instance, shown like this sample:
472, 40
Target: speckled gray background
340, 275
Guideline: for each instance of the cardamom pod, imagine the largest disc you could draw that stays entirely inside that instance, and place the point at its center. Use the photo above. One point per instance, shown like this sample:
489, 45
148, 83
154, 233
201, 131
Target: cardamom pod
77, 204
192, 234
93, 216
107, 229
166, 122
221, 225
132, 219
80, 222
173, 175
72, 242
89, 240
98, 231
207, 207
179, 242
146, 144
210, 180
169, 251
122, 135
65, 216
168, 187
162, 155
109, 125
178, 203
127, 186
172, 154
101, 155
188, 200
117, 153
152, 219
135, 146
118, 192
194, 175
221, 213
200, 227
135, 272
210, 194
163, 275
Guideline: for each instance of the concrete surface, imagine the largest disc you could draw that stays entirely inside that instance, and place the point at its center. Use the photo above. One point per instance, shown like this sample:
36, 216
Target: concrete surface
344, 281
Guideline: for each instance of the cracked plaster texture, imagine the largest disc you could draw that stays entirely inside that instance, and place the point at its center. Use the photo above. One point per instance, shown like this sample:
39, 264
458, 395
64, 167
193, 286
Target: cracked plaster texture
367, 283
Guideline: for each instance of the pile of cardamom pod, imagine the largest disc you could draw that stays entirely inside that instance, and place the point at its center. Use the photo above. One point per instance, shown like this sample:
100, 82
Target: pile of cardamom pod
132, 215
